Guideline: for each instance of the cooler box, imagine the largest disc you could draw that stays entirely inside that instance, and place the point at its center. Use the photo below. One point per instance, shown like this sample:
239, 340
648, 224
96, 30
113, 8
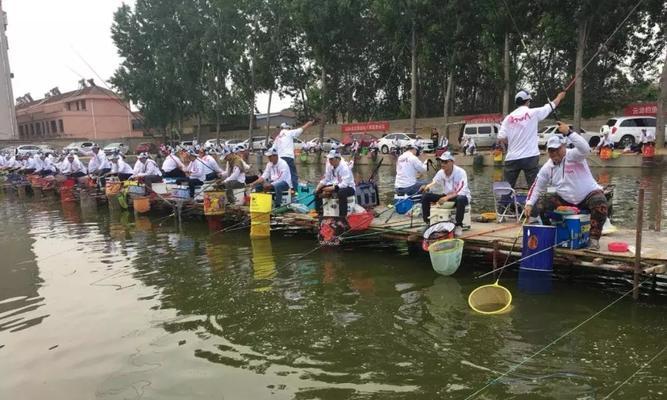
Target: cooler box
306, 196
537, 251
442, 214
330, 206
574, 230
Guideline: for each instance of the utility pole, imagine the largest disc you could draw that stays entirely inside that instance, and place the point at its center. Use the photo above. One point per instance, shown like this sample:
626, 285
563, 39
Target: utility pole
413, 88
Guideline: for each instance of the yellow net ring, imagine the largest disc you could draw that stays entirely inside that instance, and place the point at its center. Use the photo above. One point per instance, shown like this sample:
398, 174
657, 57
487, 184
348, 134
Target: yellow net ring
490, 299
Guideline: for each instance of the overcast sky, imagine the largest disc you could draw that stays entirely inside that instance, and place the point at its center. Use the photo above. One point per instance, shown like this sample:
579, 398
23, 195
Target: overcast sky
52, 41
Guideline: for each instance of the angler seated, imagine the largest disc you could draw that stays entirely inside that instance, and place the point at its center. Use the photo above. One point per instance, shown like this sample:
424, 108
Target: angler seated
338, 182
172, 166
31, 165
146, 171
276, 177
98, 164
72, 167
454, 181
120, 168
408, 169
196, 173
568, 172
234, 175
213, 170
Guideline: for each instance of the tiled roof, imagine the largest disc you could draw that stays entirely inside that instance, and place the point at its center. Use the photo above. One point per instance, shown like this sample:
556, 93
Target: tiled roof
75, 93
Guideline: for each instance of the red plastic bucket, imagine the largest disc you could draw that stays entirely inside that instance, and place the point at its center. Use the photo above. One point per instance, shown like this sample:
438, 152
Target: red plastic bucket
67, 190
361, 221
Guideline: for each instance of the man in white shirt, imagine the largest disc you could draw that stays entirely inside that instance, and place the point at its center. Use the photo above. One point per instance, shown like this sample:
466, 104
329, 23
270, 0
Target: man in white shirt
196, 172
31, 165
120, 168
276, 177
605, 140
234, 175
518, 132
172, 166
338, 182
98, 164
146, 170
567, 171
72, 167
211, 166
284, 144
454, 181
408, 168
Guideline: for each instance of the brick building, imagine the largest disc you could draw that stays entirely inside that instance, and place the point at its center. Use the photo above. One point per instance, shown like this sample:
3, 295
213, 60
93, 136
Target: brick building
90, 112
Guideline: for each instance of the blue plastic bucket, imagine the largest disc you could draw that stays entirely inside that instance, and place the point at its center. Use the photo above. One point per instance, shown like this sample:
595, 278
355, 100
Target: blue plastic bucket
402, 204
534, 282
537, 252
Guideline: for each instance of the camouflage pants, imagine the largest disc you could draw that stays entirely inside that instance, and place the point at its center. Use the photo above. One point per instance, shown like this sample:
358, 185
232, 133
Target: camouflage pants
595, 202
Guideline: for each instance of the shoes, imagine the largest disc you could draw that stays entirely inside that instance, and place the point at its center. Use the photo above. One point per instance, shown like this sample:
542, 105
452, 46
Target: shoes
594, 244
458, 231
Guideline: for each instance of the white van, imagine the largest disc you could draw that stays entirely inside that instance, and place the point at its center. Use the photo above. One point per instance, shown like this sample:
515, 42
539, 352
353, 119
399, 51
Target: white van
484, 134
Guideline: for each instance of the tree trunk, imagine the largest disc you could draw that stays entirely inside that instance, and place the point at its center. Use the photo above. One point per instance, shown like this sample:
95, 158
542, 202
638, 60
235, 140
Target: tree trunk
661, 109
413, 87
448, 95
323, 114
506, 75
217, 125
251, 110
582, 34
198, 127
268, 117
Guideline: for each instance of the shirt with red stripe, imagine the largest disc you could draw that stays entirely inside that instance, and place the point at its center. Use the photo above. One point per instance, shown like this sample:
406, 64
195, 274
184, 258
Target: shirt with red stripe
456, 182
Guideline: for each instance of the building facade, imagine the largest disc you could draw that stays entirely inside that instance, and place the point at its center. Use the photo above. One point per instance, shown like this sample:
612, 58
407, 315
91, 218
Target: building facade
7, 116
90, 112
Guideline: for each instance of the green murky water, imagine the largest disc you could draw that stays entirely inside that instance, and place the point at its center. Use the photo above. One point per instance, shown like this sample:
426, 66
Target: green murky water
94, 305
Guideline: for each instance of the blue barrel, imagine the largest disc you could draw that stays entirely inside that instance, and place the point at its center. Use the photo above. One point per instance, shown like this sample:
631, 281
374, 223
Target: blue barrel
537, 252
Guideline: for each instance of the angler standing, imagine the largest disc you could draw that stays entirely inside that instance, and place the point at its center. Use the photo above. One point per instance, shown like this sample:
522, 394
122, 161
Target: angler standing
518, 133
284, 144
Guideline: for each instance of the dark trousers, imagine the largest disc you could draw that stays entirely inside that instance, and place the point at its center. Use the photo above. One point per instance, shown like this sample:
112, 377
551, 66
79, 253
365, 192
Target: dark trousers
211, 176
192, 184
148, 180
174, 173
45, 172
595, 202
410, 190
292, 171
101, 173
229, 189
76, 175
460, 203
123, 177
530, 167
342, 194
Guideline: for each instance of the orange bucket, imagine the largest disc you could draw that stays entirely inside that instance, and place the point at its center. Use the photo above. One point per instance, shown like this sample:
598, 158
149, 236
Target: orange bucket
605, 153
142, 204
648, 150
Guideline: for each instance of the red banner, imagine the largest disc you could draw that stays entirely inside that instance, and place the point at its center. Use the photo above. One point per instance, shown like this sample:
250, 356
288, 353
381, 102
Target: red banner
640, 109
481, 118
375, 126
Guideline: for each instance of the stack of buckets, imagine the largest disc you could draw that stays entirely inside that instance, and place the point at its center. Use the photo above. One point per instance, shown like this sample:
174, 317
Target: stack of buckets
260, 215
537, 258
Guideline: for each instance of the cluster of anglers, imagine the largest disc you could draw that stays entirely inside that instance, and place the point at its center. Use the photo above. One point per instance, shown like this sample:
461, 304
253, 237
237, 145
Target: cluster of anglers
566, 175
566, 172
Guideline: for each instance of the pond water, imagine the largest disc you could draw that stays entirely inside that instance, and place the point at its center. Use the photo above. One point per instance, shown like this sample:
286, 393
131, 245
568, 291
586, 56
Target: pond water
94, 305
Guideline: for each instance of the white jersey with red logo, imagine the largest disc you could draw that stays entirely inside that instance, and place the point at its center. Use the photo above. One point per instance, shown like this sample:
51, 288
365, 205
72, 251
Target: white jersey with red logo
456, 182
571, 177
520, 130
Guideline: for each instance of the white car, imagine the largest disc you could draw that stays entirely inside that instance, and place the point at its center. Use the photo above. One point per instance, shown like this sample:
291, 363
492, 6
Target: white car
542, 137
28, 149
626, 131
81, 148
484, 134
213, 143
328, 144
389, 142
115, 148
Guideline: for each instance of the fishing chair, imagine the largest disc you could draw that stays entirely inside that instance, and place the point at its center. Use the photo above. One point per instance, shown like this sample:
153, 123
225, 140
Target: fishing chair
507, 202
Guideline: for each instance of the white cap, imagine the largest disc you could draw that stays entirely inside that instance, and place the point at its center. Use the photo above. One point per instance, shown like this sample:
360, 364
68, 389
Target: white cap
446, 156
555, 141
333, 154
605, 129
285, 125
523, 94
271, 152
143, 155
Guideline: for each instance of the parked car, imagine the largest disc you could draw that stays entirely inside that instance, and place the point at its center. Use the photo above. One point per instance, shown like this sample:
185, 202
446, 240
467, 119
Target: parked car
81, 148
388, 142
148, 147
187, 144
484, 134
213, 143
46, 149
116, 147
28, 149
543, 136
8, 150
626, 131
327, 144
364, 139
231, 143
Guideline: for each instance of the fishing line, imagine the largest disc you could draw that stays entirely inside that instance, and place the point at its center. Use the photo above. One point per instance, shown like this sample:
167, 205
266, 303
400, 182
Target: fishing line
561, 337
646, 364
523, 258
604, 45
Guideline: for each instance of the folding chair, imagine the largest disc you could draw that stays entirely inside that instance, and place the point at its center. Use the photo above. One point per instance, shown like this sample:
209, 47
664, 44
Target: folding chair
507, 205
